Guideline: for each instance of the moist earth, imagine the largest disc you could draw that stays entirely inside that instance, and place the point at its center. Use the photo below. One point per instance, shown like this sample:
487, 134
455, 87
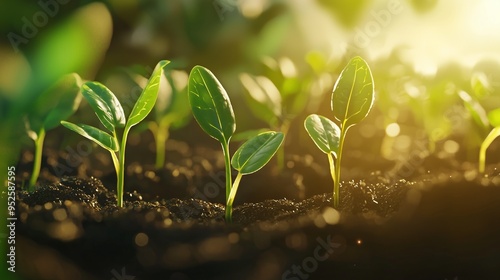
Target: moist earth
438, 225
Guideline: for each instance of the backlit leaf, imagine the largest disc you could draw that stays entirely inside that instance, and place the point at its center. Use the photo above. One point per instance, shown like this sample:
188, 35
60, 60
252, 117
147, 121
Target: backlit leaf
324, 133
210, 104
100, 137
353, 93
148, 97
264, 98
477, 112
105, 105
256, 152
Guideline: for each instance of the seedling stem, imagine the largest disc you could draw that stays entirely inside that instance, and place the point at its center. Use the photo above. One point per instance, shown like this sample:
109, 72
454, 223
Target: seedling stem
336, 183
232, 195
38, 158
227, 164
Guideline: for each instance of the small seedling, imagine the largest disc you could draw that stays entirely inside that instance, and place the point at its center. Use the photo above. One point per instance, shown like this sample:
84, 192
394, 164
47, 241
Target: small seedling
494, 119
352, 100
172, 111
212, 110
483, 122
250, 158
280, 94
110, 112
51, 107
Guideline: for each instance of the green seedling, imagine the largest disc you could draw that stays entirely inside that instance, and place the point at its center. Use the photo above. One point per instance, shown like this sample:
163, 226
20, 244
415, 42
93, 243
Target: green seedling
110, 113
428, 100
214, 113
352, 100
483, 123
477, 113
494, 119
51, 107
250, 158
172, 111
279, 95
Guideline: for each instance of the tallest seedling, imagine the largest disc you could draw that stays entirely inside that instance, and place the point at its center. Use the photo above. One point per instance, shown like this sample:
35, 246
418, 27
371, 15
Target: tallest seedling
352, 100
213, 111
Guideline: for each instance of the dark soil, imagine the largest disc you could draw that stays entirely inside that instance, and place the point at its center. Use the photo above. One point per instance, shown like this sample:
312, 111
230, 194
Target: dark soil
442, 224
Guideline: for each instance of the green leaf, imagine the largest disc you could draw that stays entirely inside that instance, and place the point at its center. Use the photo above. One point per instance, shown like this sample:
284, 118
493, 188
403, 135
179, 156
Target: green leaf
210, 104
477, 112
256, 152
105, 105
100, 137
480, 85
176, 82
55, 104
352, 96
67, 104
494, 117
178, 112
245, 135
263, 97
148, 97
324, 133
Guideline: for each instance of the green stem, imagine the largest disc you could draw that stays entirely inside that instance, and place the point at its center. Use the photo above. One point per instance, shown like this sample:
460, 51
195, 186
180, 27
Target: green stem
336, 183
227, 164
332, 166
121, 169
230, 200
116, 163
161, 138
482, 159
280, 154
37, 161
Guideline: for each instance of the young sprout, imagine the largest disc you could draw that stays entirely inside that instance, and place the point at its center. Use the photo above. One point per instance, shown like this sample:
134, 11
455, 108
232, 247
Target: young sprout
110, 112
280, 94
213, 111
494, 119
352, 100
51, 107
172, 111
482, 123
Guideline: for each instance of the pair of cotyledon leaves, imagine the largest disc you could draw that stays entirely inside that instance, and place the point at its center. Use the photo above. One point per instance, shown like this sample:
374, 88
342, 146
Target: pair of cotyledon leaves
352, 99
214, 113
110, 112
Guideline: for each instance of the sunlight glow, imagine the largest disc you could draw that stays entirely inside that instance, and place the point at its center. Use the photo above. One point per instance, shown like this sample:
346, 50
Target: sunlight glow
392, 130
485, 19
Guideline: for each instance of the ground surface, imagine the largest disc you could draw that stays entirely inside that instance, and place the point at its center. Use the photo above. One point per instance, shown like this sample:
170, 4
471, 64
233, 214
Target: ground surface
441, 224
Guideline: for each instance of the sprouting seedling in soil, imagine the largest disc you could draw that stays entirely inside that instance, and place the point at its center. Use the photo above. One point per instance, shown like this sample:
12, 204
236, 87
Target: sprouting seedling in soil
494, 118
266, 103
51, 107
482, 122
110, 112
250, 158
214, 113
171, 110
280, 94
352, 100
